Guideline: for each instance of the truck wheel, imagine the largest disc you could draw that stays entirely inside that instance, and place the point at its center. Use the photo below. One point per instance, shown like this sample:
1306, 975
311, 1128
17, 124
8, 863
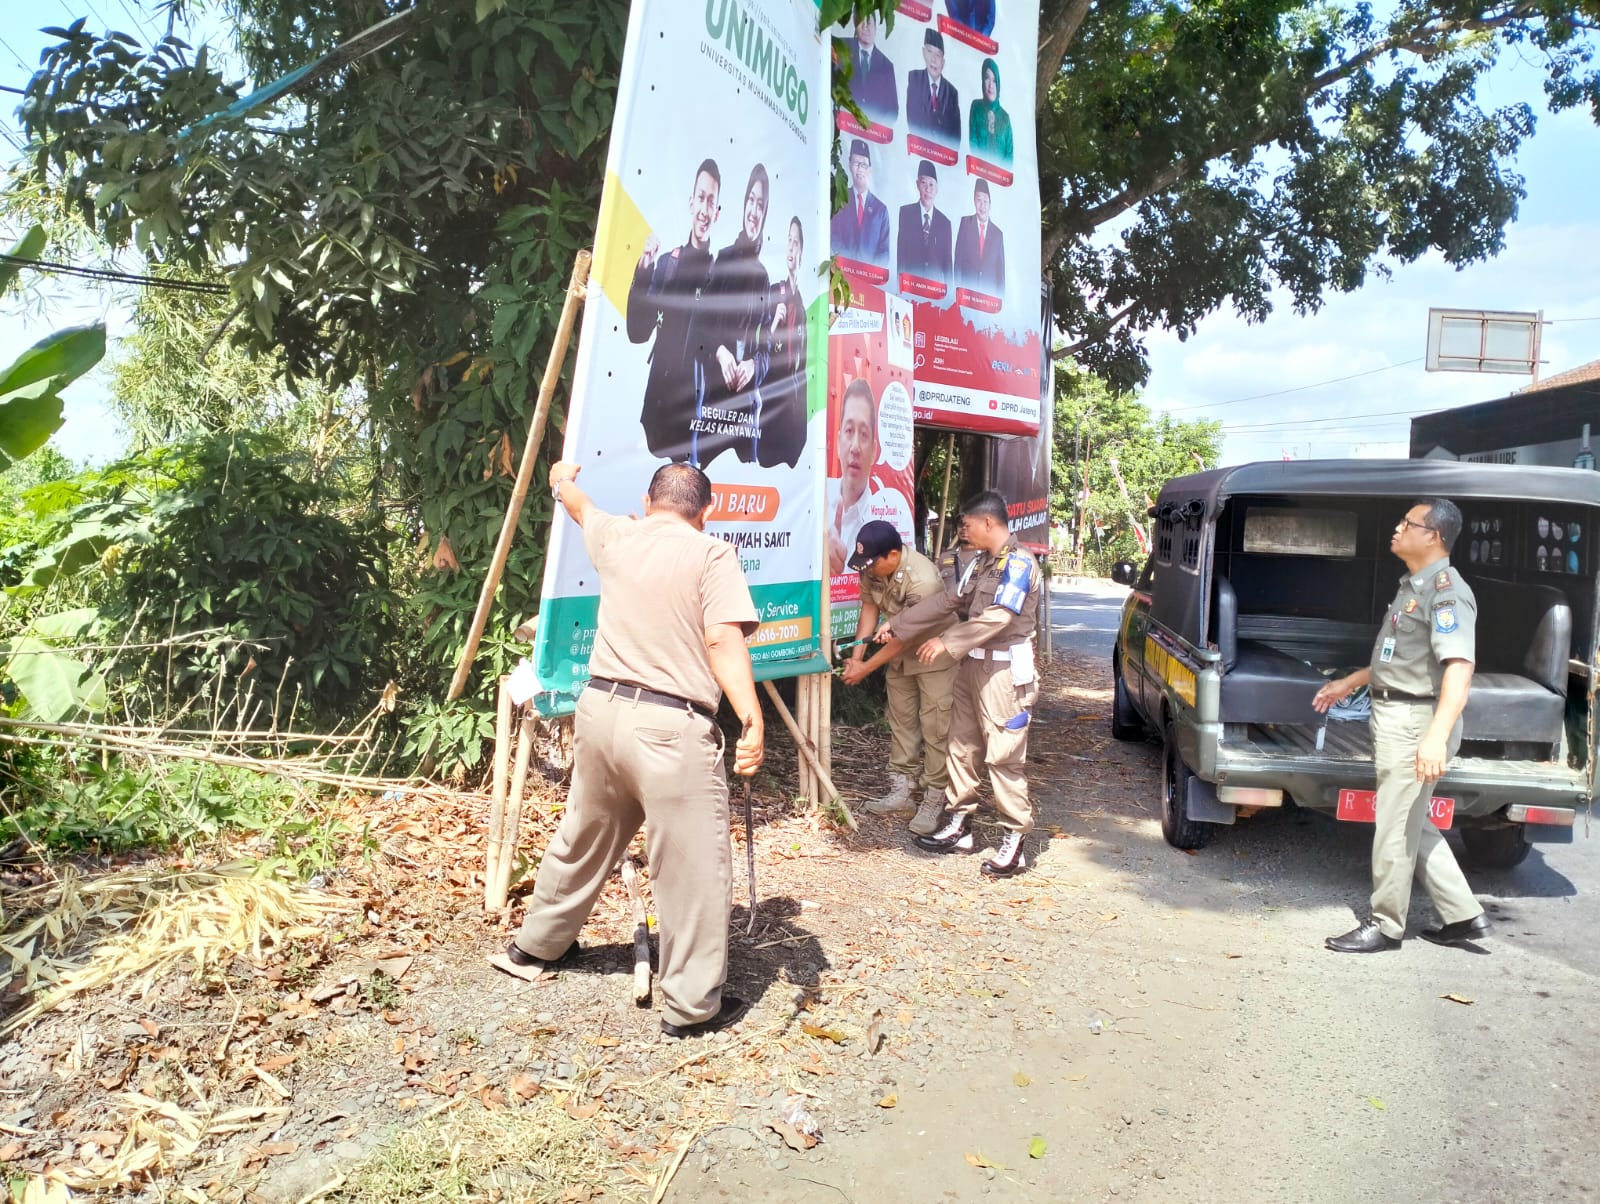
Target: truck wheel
1495, 848
1125, 721
1181, 831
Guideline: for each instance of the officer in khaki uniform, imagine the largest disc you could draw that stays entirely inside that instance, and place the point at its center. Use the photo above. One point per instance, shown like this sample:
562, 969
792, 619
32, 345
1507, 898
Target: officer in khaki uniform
894, 577
994, 595
674, 615
1420, 674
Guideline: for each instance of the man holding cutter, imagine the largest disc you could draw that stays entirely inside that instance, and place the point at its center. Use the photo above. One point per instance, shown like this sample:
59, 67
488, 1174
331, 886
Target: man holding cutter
674, 614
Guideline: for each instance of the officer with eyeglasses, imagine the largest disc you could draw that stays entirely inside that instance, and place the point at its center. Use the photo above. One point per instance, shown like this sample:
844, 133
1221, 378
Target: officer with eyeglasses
1420, 674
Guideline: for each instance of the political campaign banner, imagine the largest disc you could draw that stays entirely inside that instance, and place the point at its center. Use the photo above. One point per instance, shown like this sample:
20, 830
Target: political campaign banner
704, 315
1020, 468
944, 201
871, 452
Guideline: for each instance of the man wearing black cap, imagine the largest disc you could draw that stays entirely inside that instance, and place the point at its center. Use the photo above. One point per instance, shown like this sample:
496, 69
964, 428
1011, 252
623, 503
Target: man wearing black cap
923, 243
894, 577
977, 15
981, 247
861, 229
933, 107
871, 72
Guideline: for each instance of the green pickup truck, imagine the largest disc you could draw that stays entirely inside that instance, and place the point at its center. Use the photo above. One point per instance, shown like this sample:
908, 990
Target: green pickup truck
1267, 578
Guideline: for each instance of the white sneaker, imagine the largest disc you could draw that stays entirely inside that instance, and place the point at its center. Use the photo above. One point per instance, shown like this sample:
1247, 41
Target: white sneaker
954, 837
1008, 859
926, 820
898, 798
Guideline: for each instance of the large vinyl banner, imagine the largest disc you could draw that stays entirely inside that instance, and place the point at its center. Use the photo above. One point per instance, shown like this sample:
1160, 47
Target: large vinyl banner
704, 308
944, 201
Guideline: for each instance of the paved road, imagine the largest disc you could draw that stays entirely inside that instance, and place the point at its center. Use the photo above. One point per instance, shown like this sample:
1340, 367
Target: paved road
1084, 614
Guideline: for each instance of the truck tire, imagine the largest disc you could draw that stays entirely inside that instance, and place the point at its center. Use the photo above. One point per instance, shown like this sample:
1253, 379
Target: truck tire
1125, 721
1497, 848
1181, 831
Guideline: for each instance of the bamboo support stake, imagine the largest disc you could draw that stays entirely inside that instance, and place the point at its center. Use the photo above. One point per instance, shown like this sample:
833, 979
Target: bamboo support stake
944, 498
500, 889
641, 935
497, 806
807, 755
577, 287
825, 721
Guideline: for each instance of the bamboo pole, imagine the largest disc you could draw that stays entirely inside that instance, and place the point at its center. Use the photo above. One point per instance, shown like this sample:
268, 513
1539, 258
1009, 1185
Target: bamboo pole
497, 891
641, 934
497, 806
825, 721
807, 754
576, 290
944, 498
802, 718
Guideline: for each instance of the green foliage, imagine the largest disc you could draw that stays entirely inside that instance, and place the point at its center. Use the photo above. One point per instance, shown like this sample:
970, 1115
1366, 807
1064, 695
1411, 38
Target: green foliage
1095, 425
453, 735
1262, 147
30, 387
224, 574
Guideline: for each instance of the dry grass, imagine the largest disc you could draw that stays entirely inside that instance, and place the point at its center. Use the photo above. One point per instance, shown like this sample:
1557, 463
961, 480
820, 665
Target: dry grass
77, 934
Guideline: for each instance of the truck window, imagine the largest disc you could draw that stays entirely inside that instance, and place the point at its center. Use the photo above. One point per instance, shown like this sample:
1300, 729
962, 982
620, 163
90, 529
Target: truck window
1297, 532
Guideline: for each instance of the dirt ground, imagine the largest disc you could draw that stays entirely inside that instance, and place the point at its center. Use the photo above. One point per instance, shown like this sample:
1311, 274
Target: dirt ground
1123, 1022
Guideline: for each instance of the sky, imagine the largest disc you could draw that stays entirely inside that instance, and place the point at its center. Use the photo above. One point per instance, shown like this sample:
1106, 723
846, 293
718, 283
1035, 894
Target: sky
1341, 382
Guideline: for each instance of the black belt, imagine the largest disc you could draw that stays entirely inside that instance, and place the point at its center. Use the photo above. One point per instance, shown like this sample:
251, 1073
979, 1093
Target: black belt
622, 689
1386, 695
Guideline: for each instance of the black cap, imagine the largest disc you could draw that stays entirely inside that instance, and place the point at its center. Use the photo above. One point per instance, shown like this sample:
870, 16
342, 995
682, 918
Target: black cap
858, 147
926, 168
935, 39
875, 539
981, 186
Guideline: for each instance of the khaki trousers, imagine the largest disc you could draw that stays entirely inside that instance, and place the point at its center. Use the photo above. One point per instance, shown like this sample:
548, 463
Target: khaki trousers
919, 723
641, 763
984, 700
1405, 842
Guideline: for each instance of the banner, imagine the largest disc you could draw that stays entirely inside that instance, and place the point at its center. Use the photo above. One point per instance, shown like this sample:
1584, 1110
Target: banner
871, 451
704, 312
944, 201
1020, 468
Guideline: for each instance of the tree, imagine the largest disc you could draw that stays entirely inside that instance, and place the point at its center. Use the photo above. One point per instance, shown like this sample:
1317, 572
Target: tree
1094, 425
1200, 156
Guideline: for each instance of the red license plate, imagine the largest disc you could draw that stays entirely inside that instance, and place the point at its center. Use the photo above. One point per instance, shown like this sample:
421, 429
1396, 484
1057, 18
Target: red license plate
1361, 806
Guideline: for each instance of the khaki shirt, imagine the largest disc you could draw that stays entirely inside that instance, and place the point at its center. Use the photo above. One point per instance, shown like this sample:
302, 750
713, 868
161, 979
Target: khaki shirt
1434, 618
995, 599
915, 580
662, 583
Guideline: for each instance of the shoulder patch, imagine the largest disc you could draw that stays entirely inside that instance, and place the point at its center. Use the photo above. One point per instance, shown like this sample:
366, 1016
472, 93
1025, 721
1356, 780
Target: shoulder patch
1444, 619
1016, 575
1442, 581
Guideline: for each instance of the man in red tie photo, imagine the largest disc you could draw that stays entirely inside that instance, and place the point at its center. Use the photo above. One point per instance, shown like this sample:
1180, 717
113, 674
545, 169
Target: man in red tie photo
923, 242
933, 108
981, 248
861, 229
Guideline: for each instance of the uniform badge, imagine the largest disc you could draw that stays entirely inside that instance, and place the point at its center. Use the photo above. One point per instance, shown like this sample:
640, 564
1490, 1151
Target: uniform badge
1444, 619
1411, 606
1016, 574
1442, 581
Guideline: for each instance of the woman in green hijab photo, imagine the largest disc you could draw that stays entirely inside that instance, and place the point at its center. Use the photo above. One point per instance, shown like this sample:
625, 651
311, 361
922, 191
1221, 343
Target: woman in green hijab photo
990, 125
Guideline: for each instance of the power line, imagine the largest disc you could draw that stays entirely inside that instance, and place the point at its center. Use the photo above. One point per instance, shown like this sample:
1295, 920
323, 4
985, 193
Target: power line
107, 274
14, 53
1214, 405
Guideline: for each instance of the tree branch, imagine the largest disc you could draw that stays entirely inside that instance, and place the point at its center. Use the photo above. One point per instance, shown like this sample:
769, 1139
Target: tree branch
1057, 30
1082, 344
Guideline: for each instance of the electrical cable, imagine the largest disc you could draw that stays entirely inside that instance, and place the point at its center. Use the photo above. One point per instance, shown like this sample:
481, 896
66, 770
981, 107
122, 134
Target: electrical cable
115, 277
1213, 405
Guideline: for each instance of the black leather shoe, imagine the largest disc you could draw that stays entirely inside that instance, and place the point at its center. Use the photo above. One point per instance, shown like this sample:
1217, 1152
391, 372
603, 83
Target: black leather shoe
730, 1013
518, 958
1461, 930
1368, 938
954, 837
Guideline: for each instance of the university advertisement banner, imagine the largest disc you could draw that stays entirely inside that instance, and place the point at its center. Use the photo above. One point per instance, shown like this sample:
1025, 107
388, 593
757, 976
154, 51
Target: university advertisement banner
704, 309
944, 201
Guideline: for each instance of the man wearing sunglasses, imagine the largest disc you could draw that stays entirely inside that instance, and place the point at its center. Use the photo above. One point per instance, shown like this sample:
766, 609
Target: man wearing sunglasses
1421, 671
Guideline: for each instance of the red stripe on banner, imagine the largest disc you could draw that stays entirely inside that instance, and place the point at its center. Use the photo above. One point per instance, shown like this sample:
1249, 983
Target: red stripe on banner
983, 423
979, 301
915, 10
921, 286
917, 145
880, 134
971, 37
988, 171
868, 273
